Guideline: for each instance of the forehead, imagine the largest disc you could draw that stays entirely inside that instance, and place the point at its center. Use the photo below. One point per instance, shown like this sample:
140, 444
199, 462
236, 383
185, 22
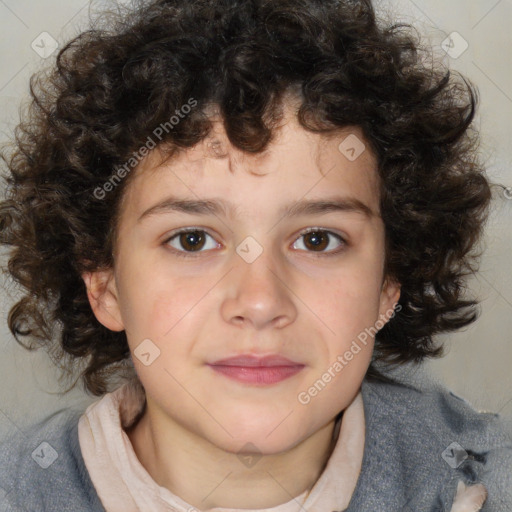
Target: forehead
296, 164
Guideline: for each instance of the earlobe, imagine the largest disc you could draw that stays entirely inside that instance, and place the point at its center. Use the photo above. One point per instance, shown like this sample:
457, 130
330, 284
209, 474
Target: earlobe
103, 298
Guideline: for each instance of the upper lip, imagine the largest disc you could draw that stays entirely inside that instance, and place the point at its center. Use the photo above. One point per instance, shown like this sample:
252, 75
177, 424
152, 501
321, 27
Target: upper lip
251, 360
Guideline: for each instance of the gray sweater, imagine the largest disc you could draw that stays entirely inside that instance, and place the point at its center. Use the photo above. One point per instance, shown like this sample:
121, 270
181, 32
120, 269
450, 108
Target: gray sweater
420, 441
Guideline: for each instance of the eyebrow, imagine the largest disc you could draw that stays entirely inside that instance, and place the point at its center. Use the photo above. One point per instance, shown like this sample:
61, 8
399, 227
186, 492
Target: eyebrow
227, 209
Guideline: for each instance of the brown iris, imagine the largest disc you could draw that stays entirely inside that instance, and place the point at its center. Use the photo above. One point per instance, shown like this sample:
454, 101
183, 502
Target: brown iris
192, 240
319, 240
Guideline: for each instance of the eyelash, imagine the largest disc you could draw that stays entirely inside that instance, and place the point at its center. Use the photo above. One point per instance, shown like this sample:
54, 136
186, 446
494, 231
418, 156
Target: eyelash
196, 254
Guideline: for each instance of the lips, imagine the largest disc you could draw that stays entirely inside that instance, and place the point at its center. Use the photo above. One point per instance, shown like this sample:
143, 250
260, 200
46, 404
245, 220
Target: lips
255, 370
249, 360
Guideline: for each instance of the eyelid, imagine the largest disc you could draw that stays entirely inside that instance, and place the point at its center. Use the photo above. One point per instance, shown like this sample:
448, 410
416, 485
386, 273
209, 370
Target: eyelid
324, 230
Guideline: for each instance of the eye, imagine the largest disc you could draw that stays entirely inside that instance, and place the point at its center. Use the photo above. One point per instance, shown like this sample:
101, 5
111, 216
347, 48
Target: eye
191, 240
317, 240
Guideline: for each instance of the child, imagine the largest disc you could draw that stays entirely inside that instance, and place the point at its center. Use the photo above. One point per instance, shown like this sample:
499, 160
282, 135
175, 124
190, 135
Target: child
251, 211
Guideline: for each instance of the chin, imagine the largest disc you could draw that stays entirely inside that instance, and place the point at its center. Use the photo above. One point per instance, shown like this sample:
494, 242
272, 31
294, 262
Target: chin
260, 440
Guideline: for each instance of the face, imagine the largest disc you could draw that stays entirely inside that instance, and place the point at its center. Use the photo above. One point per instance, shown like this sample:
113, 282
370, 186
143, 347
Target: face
249, 327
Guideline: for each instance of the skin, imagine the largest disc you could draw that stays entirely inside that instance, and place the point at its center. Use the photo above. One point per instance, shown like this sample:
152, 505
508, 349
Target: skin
295, 300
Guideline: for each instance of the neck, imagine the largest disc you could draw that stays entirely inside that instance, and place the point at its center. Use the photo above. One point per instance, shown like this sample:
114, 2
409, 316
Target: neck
206, 476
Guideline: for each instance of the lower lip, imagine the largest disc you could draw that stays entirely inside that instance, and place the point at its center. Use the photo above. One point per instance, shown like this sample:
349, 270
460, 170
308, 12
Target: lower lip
258, 374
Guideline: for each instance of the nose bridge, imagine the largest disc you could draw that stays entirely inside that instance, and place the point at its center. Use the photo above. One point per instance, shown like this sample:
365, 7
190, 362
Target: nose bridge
258, 269
258, 294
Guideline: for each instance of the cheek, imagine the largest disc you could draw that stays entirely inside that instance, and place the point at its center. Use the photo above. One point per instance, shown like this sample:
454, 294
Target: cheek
162, 311
333, 388
349, 303
153, 298
170, 317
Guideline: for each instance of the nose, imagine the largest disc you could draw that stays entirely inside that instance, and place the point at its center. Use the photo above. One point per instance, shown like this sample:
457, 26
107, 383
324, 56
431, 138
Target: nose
258, 295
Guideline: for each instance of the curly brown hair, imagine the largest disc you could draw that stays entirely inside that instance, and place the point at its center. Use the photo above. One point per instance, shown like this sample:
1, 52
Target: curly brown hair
111, 86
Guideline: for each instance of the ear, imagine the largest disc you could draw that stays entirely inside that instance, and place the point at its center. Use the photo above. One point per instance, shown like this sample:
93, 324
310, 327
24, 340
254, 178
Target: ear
389, 297
103, 298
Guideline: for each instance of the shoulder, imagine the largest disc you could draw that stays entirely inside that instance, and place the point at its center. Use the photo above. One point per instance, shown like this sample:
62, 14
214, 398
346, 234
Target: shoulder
434, 405
441, 436
42, 468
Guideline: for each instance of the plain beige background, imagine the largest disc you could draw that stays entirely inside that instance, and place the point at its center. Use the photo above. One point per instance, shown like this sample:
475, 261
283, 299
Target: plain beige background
479, 360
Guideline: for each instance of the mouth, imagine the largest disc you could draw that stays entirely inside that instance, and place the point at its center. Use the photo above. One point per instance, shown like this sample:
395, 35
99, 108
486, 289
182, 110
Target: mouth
257, 370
